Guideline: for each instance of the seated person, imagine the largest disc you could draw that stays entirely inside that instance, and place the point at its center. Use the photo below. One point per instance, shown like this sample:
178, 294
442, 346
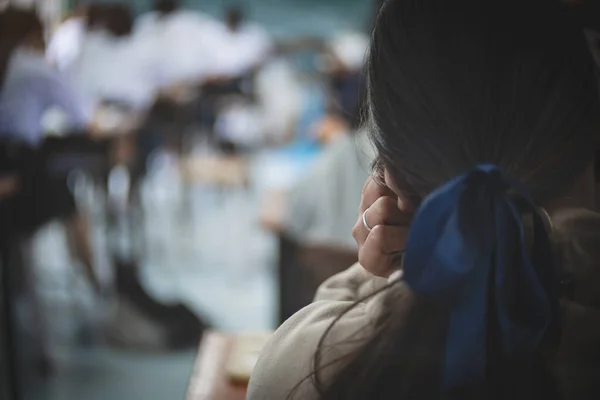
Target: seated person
29, 86
245, 47
466, 288
346, 54
184, 43
321, 207
114, 66
64, 44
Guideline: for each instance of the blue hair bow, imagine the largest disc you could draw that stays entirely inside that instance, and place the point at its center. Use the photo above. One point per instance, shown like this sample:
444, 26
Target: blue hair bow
467, 249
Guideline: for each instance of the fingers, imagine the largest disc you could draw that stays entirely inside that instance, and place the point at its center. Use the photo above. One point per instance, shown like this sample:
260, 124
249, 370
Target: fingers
384, 211
371, 192
379, 247
379, 253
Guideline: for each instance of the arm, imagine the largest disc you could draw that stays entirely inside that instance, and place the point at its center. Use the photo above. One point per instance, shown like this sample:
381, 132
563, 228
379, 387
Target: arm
287, 359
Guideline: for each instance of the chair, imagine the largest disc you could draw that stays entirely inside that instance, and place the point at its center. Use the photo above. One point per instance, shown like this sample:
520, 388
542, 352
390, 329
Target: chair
302, 268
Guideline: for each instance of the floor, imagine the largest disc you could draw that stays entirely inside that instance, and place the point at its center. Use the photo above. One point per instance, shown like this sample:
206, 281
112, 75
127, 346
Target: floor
201, 246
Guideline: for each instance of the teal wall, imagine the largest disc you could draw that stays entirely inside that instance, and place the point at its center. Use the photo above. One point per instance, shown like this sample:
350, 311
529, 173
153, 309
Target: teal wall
286, 18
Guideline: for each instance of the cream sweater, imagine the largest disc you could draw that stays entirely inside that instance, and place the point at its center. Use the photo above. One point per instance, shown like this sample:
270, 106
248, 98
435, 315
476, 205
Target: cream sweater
288, 357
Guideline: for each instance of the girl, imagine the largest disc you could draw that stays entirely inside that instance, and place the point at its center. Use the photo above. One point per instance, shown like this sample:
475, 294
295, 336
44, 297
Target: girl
484, 116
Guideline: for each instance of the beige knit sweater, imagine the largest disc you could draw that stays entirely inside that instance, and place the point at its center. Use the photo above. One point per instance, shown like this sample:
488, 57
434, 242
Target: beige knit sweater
288, 357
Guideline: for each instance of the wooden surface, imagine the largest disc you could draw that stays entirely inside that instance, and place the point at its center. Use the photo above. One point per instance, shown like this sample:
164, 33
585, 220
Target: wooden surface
217, 170
209, 379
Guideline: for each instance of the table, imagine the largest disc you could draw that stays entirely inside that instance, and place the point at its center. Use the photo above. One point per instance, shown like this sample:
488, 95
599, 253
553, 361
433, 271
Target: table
209, 380
216, 170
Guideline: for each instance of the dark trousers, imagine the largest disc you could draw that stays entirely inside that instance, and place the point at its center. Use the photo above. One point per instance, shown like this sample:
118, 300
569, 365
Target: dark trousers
43, 192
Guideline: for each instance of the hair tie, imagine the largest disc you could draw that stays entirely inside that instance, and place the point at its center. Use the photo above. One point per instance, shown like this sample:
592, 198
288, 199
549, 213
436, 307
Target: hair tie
466, 248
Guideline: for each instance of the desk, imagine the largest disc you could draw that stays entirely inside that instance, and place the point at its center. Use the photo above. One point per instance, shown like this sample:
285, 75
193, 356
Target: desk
216, 170
209, 379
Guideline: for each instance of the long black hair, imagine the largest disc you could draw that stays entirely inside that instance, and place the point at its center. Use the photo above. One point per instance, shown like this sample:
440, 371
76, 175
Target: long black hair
453, 84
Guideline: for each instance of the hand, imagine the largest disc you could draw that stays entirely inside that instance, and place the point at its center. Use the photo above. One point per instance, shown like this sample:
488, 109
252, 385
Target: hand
378, 249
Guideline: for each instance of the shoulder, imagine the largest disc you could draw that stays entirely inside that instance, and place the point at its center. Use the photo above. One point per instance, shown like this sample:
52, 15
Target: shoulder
286, 363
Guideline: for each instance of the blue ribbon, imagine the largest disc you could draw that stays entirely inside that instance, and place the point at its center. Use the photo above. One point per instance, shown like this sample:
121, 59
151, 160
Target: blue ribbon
466, 240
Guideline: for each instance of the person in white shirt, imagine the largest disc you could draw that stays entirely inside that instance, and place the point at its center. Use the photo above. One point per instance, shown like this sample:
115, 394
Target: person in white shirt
114, 65
185, 43
65, 43
321, 207
246, 46
28, 87
244, 49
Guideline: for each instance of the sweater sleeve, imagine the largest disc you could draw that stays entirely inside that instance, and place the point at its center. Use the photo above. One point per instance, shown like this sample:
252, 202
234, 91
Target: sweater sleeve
352, 284
286, 363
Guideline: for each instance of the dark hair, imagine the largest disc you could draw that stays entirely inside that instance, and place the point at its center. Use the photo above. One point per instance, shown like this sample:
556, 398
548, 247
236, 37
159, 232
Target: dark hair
451, 85
15, 26
115, 18
166, 6
234, 16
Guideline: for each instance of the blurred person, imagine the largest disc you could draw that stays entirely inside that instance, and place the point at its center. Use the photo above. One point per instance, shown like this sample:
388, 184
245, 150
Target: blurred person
321, 207
346, 53
467, 288
185, 42
245, 48
65, 42
114, 66
278, 91
28, 87
185, 45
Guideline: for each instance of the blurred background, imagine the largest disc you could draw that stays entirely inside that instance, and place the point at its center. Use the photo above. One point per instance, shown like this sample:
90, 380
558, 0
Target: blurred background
194, 167
173, 175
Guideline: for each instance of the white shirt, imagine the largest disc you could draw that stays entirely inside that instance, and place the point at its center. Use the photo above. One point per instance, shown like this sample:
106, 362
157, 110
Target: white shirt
65, 44
242, 50
32, 87
185, 44
116, 69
